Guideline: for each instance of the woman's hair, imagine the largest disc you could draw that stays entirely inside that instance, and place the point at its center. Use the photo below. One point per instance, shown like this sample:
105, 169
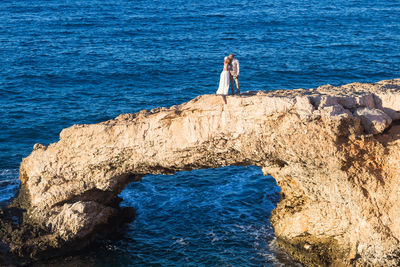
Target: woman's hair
227, 60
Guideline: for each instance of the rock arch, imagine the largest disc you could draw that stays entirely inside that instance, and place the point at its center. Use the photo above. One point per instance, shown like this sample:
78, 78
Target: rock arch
333, 151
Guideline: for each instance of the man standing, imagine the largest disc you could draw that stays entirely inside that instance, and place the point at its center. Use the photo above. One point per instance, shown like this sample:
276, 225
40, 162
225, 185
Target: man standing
235, 72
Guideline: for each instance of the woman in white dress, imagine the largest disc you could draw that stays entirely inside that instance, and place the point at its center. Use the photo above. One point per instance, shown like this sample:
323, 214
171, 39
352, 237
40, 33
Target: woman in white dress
225, 78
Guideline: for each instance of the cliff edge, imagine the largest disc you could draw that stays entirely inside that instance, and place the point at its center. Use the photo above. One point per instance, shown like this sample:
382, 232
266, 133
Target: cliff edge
334, 151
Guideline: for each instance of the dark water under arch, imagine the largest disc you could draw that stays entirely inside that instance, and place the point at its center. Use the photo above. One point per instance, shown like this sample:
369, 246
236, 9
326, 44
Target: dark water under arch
213, 217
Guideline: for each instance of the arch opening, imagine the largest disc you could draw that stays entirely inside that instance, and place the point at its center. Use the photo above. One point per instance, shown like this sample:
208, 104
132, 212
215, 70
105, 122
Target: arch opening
206, 215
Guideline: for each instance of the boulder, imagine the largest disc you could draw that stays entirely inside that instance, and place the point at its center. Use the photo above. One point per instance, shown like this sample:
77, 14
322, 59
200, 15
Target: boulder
374, 120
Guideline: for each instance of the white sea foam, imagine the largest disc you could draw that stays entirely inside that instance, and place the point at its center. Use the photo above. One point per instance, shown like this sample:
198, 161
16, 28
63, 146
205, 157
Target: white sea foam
10, 173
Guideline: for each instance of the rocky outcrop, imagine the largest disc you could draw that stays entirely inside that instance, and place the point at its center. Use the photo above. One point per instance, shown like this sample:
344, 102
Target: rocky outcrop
333, 150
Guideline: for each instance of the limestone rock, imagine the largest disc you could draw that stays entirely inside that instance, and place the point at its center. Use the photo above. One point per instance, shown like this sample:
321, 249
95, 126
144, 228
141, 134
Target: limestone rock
335, 111
374, 120
340, 185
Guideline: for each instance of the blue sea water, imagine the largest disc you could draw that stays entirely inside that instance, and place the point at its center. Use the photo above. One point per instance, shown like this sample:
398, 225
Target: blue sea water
75, 61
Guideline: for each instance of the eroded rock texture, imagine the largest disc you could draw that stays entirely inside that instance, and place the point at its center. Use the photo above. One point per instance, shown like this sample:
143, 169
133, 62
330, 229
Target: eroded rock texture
333, 150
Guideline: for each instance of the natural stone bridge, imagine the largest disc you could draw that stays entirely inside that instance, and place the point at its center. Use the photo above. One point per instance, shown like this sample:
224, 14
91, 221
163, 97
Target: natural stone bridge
334, 151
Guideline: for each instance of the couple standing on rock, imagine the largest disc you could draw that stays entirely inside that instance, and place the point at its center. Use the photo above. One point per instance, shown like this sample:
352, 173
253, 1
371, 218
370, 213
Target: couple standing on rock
228, 74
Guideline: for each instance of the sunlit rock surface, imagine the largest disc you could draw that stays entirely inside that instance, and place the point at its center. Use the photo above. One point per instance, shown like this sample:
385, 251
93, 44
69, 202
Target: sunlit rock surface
333, 150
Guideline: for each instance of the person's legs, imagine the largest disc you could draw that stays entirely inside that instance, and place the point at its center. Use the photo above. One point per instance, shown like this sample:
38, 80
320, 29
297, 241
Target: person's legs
237, 85
232, 86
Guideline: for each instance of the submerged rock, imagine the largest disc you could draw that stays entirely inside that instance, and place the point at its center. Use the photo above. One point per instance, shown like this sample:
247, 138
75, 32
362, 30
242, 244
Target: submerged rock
334, 151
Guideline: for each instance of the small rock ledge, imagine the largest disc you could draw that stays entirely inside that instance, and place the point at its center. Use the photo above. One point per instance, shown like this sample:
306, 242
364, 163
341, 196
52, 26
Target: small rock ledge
334, 151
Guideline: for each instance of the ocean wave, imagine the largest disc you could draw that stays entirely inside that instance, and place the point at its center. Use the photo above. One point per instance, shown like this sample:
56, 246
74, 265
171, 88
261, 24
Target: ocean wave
8, 182
8, 185
9, 173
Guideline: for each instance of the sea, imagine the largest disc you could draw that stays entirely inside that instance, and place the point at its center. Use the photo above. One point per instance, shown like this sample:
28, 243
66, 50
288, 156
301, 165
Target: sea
86, 61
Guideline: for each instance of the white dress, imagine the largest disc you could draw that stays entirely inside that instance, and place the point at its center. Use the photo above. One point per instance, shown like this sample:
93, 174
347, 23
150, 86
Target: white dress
224, 83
